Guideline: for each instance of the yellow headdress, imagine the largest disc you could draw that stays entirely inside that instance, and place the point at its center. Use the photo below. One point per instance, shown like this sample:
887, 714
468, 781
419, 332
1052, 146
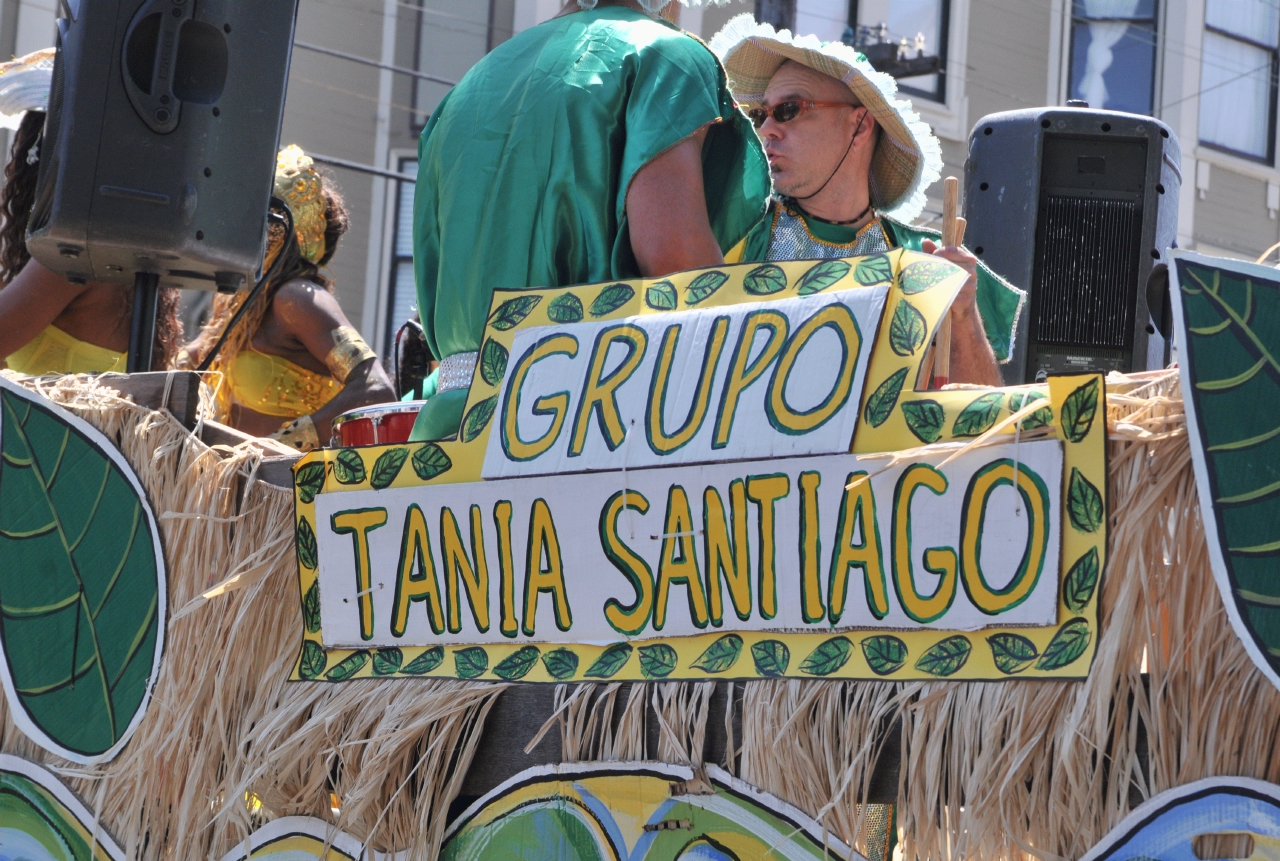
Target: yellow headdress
301, 188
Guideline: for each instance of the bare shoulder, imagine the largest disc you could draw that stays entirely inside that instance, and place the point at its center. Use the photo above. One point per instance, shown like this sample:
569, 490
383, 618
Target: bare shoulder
303, 300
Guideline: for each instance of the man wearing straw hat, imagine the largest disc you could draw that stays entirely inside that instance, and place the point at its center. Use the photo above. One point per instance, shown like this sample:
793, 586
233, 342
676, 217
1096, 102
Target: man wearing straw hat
850, 164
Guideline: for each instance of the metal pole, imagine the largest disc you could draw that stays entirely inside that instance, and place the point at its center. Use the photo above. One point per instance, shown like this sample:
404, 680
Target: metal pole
142, 332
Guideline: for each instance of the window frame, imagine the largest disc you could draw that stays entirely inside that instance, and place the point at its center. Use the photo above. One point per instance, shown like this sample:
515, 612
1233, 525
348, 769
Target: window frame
395, 260
1274, 76
939, 96
1073, 19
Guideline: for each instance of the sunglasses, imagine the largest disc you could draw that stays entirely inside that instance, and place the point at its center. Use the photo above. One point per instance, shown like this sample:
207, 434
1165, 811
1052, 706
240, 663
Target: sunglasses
785, 112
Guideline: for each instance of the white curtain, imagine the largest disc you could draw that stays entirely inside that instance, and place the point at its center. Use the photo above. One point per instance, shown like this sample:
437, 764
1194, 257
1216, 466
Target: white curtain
1103, 36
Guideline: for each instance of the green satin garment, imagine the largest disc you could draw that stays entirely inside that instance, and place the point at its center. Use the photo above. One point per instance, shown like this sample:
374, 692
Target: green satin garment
524, 167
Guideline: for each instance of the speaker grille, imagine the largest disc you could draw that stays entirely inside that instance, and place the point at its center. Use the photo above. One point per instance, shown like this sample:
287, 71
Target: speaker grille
1086, 266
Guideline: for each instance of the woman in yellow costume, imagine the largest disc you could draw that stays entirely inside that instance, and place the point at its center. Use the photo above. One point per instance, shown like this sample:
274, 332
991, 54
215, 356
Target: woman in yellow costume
290, 360
47, 324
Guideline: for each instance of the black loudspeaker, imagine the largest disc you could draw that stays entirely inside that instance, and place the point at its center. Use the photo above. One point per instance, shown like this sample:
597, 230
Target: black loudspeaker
1076, 206
159, 146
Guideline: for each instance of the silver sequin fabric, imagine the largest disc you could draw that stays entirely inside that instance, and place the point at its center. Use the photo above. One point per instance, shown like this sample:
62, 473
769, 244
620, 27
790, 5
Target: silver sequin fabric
456, 371
791, 240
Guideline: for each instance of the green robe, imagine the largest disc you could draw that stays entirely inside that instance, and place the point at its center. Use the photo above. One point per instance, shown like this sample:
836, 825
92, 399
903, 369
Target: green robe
524, 167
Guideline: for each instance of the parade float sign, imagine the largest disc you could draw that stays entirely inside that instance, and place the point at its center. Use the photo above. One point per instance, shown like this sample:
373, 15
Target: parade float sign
730, 473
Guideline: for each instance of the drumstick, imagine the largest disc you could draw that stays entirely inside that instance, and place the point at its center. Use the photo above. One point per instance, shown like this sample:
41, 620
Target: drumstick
952, 234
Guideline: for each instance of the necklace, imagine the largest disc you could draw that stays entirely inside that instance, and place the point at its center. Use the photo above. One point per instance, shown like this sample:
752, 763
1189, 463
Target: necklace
854, 220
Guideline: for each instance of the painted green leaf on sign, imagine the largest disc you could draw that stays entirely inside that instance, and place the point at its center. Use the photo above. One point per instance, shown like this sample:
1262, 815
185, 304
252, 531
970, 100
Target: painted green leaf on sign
478, 418
430, 460
565, 309
924, 419
876, 269
386, 662
611, 660
493, 362
309, 480
311, 665
771, 657
703, 286
829, 657
39, 824
82, 583
517, 664
1067, 645
907, 329
1081, 580
661, 296
765, 280
387, 467
920, 276
424, 663
657, 661
882, 401
720, 655
348, 666
884, 654
306, 537
510, 313
611, 299
471, 662
348, 467
561, 664
945, 658
1079, 409
311, 607
1012, 653
821, 277
1042, 417
979, 416
1084, 503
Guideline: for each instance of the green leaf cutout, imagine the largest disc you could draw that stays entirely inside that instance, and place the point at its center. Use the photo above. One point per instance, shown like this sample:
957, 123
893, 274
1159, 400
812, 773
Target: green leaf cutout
720, 655
511, 312
1012, 653
945, 658
1042, 417
348, 667
920, 276
309, 480
424, 663
517, 664
979, 416
306, 538
830, 656
493, 362
565, 309
661, 296
822, 276
611, 660
1084, 503
657, 661
1067, 645
611, 299
884, 654
925, 419
561, 664
876, 269
907, 329
311, 665
882, 401
311, 607
430, 460
478, 418
471, 662
387, 467
703, 286
348, 467
765, 280
771, 658
1079, 409
386, 662
1081, 580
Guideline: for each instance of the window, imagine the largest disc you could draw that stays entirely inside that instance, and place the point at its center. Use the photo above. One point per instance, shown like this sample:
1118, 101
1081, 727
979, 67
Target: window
451, 38
402, 293
920, 22
1113, 53
1238, 76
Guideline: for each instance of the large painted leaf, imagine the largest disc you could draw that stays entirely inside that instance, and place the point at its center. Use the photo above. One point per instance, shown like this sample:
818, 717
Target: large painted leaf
82, 584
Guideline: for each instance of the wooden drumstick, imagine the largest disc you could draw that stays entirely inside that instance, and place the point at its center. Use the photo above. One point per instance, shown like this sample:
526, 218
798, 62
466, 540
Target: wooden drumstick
953, 228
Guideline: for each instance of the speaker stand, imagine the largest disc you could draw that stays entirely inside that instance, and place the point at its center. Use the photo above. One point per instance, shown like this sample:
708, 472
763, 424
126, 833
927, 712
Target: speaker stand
142, 333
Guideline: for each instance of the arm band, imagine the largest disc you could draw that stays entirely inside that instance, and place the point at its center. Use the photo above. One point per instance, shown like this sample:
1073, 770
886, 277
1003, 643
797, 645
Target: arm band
349, 352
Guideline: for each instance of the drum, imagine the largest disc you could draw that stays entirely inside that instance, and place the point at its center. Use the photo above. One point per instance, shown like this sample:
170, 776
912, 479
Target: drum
377, 424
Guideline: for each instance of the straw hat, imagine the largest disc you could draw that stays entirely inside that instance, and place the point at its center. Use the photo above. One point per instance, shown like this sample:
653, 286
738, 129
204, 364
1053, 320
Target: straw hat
24, 86
908, 158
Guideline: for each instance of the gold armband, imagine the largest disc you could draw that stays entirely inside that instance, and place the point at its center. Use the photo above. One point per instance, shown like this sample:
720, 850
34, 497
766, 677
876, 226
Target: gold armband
349, 352
300, 433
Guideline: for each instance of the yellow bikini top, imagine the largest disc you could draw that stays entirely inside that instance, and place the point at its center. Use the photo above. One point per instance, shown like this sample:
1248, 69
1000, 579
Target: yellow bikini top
53, 351
274, 386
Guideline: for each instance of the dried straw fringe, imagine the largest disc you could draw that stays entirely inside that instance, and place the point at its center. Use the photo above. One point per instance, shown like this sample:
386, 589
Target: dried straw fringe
224, 727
